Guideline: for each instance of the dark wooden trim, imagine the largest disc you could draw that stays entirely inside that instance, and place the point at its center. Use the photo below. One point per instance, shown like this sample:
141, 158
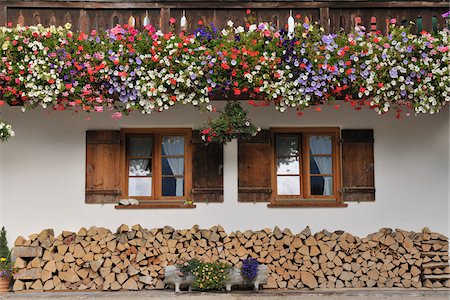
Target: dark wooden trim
257, 190
325, 22
104, 192
305, 204
3, 15
152, 206
207, 191
90, 5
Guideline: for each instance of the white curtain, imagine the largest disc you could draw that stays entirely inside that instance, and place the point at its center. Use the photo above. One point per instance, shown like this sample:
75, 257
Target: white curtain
140, 186
322, 145
140, 147
174, 145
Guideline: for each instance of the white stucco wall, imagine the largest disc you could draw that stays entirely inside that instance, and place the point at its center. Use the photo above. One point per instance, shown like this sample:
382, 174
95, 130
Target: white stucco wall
43, 169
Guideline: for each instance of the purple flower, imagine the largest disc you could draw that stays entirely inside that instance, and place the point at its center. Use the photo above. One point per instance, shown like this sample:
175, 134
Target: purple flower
446, 15
249, 269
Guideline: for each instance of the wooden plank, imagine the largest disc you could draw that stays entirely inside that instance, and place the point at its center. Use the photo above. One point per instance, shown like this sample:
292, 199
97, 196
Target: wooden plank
102, 166
325, 18
280, 204
358, 165
153, 206
255, 158
207, 171
226, 5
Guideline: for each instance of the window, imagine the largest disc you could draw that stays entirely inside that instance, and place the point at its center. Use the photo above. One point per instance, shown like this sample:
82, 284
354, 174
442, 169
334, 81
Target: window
306, 164
156, 163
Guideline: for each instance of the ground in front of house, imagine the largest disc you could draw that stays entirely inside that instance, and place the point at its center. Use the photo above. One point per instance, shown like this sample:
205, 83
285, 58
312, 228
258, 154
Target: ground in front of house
329, 294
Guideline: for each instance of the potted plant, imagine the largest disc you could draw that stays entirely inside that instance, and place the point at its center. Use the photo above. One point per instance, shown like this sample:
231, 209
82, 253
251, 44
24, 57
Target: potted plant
232, 123
6, 266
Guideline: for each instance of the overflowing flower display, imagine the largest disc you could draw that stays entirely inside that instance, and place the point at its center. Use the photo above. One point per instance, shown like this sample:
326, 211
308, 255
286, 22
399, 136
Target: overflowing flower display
208, 275
249, 269
124, 69
233, 123
5, 131
6, 266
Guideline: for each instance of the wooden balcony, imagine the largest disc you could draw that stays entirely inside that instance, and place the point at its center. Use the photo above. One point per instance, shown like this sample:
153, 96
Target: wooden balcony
86, 15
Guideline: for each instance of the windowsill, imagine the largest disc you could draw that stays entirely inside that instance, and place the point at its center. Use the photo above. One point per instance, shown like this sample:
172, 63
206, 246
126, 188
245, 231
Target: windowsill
147, 205
280, 203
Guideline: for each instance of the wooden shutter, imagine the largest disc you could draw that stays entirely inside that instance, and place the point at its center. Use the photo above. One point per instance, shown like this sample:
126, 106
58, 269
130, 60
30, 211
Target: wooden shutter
207, 170
102, 166
255, 168
358, 165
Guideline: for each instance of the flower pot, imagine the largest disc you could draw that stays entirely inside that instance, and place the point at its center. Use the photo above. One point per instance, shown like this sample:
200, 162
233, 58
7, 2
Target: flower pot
4, 285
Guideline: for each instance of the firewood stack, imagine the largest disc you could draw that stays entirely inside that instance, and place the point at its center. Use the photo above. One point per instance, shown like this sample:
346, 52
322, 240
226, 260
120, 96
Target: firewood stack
436, 270
134, 259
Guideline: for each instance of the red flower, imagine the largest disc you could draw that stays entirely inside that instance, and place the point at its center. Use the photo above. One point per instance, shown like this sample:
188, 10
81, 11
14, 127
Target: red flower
2, 102
248, 11
237, 91
318, 109
172, 20
380, 84
200, 22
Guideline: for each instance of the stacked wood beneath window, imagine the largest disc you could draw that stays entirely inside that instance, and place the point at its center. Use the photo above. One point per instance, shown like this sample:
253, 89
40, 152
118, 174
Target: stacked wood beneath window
435, 267
134, 258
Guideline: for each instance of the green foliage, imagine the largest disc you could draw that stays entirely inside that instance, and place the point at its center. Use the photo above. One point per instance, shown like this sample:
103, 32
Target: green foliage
189, 266
4, 250
232, 123
208, 276
211, 276
6, 266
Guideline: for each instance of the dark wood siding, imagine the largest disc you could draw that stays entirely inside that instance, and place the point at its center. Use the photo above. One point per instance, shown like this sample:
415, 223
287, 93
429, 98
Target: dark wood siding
255, 168
207, 171
358, 169
333, 15
102, 166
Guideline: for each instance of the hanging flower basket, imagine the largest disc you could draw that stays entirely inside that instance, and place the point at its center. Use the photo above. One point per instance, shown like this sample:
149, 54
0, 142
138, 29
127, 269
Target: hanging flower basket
5, 131
233, 123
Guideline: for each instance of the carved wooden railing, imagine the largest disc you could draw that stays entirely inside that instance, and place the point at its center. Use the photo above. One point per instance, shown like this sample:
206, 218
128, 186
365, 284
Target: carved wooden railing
332, 15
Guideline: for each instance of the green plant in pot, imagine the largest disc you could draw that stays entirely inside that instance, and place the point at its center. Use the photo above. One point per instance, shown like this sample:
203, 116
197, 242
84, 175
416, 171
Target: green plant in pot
232, 123
6, 266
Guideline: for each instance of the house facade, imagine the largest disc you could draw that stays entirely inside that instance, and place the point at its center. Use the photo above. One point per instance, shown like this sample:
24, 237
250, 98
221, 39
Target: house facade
334, 168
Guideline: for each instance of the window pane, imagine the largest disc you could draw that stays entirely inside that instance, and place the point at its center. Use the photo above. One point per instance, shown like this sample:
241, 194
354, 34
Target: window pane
140, 167
287, 145
321, 165
320, 144
289, 165
173, 186
139, 186
139, 145
173, 145
322, 185
172, 166
288, 185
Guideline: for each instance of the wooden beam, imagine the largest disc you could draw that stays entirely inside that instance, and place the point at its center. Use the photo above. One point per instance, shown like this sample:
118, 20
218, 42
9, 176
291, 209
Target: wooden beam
223, 5
324, 13
3, 16
164, 17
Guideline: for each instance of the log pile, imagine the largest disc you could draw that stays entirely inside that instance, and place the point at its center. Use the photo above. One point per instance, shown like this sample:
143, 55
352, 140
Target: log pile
435, 266
134, 258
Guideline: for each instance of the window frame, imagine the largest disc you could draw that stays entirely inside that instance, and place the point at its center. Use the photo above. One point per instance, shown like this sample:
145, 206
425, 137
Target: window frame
305, 198
158, 134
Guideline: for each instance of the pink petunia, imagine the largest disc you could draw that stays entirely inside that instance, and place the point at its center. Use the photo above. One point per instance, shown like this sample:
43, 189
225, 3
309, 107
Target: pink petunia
116, 115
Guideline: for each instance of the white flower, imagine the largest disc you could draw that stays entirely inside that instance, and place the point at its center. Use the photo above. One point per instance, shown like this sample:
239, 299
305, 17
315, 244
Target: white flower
230, 23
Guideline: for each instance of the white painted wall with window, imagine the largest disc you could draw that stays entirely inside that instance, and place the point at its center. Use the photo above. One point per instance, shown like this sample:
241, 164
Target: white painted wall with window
42, 174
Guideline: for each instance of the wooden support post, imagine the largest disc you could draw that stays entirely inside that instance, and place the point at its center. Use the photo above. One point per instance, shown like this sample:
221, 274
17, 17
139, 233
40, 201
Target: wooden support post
3, 18
164, 20
324, 13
